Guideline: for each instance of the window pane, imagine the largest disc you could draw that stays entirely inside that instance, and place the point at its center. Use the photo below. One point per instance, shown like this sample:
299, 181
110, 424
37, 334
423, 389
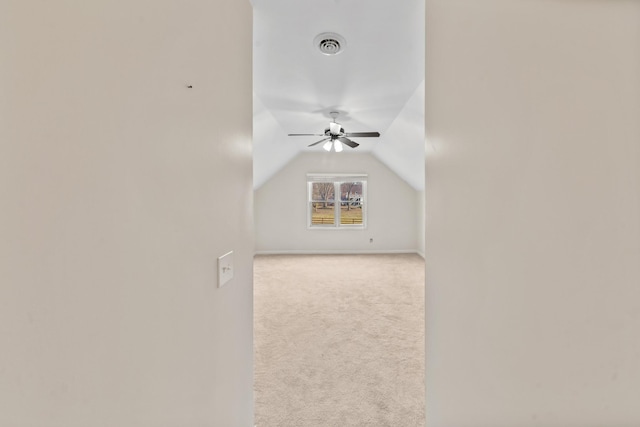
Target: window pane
350, 215
321, 214
351, 203
322, 192
322, 203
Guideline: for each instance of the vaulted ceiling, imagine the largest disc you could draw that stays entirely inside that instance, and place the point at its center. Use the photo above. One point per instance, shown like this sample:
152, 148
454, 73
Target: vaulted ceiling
375, 82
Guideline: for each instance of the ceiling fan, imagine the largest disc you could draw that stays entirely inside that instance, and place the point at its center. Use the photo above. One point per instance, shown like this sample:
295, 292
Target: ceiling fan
335, 136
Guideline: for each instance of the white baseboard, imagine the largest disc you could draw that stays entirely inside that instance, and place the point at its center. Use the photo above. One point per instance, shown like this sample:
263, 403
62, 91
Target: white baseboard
339, 252
421, 254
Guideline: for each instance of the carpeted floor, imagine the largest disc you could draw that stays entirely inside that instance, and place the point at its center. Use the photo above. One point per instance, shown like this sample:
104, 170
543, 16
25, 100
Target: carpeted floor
339, 340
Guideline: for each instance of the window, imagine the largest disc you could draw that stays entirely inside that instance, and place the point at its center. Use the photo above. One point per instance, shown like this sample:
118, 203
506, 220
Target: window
336, 201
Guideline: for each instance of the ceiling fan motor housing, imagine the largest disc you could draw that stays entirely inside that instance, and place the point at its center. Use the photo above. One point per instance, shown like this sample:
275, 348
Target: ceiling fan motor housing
335, 128
327, 132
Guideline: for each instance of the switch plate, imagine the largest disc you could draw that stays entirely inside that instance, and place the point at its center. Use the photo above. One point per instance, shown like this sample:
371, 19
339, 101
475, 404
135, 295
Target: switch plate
225, 268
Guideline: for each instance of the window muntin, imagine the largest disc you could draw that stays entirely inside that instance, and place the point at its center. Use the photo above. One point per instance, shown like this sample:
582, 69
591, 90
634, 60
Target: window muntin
336, 201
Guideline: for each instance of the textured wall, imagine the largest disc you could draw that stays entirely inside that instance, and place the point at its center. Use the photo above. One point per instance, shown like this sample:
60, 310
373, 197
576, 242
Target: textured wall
119, 187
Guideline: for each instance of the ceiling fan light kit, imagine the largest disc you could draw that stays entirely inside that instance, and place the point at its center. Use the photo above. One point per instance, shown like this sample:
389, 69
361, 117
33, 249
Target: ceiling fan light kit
336, 145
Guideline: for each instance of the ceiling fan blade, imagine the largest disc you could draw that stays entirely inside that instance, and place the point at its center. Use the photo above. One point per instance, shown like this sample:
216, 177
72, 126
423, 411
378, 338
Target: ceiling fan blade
306, 134
316, 143
362, 134
348, 142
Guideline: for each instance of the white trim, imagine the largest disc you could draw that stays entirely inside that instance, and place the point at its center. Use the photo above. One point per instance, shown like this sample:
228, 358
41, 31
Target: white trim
338, 252
321, 177
421, 254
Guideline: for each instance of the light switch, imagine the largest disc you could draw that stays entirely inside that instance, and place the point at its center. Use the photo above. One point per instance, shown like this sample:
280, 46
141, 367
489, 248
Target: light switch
225, 268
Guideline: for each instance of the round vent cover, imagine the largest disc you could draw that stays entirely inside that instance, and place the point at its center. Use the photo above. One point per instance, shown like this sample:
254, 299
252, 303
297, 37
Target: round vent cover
330, 43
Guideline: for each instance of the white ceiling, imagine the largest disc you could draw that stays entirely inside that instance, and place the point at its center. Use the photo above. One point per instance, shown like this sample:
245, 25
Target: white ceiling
375, 83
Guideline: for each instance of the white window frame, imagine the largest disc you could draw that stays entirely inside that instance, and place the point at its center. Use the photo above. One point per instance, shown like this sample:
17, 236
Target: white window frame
337, 180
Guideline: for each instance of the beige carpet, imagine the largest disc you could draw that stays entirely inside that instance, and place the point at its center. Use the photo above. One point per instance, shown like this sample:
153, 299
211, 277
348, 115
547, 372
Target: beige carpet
339, 340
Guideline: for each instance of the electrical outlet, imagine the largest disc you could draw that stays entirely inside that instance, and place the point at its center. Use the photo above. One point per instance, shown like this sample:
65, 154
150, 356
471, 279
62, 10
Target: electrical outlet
225, 268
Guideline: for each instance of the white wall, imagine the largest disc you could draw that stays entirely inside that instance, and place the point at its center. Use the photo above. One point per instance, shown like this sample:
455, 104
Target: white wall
119, 187
281, 216
272, 148
533, 213
401, 145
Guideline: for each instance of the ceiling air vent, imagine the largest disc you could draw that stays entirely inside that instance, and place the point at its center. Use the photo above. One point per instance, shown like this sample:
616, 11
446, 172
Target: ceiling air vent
330, 43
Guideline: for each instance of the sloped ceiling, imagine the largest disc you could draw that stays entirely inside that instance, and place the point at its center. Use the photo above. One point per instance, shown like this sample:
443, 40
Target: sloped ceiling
375, 83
